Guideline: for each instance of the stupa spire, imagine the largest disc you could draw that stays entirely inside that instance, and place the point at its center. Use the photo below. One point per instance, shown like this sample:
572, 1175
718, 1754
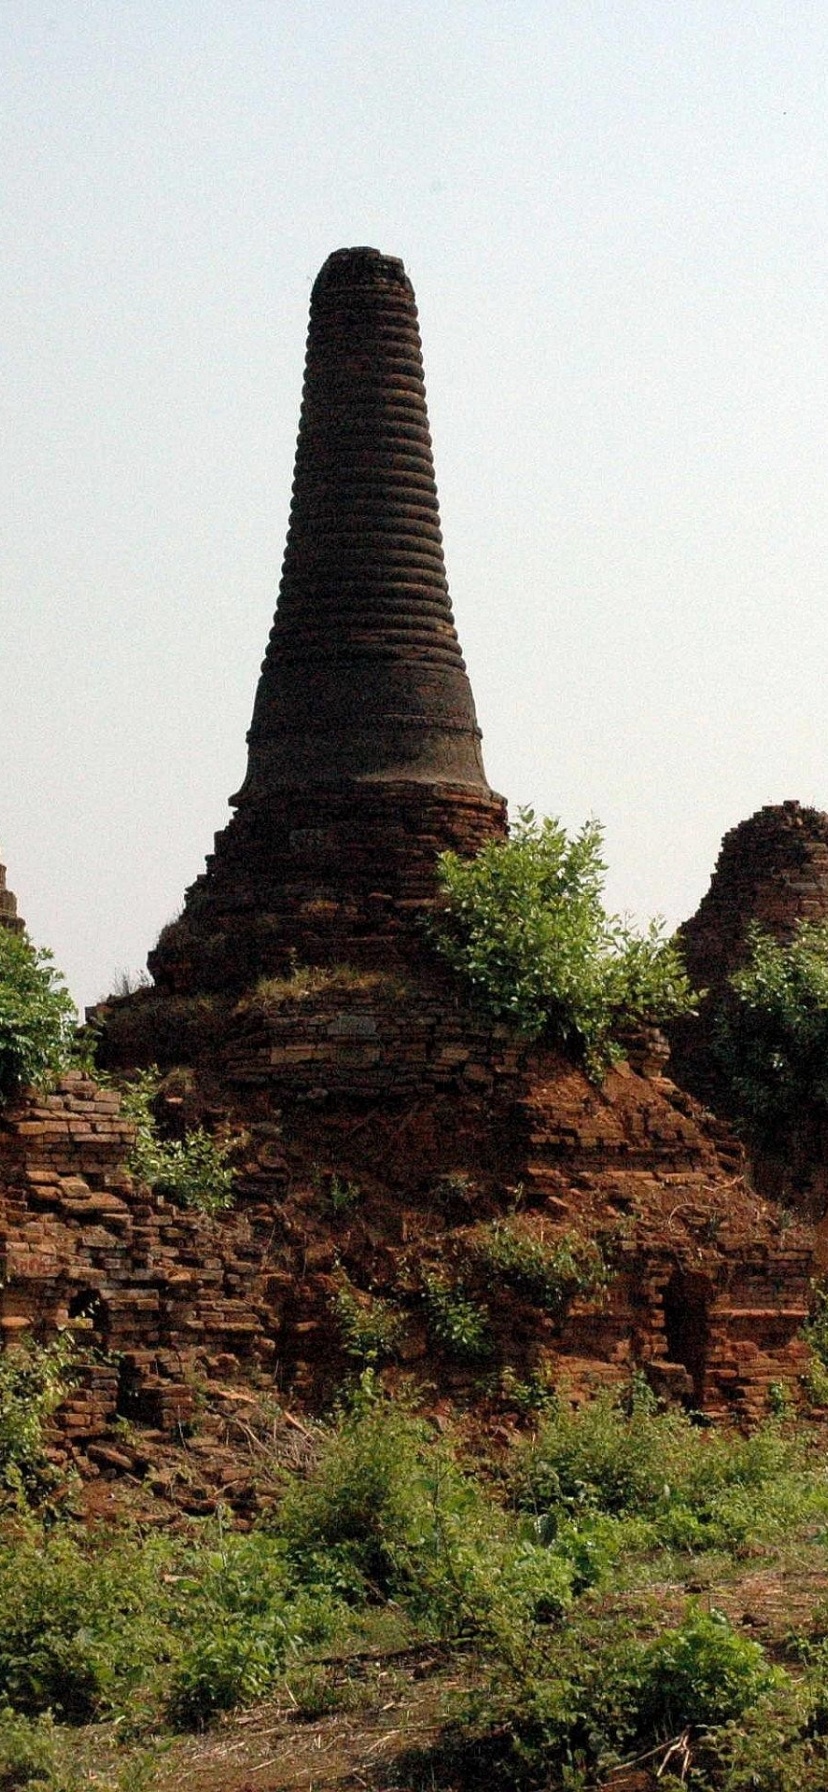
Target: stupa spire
363, 676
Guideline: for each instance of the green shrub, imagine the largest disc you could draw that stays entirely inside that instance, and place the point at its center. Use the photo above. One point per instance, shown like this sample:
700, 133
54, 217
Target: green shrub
37, 1015
456, 1324
549, 1273
701, 1674
816, 1325
771, 1033
779, 1744
524, 924
128, 1626
388, 1513
694, 1489
34, 1379
352, 1520
79, 1631
195, 1170
244, 1616
28, 1754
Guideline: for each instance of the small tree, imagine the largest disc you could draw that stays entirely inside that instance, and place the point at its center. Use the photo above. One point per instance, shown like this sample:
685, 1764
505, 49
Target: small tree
524, 923
771, 1034
37, 1015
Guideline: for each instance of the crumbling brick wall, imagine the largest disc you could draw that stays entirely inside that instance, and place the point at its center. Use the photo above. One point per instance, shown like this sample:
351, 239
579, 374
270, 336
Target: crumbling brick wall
154, 1287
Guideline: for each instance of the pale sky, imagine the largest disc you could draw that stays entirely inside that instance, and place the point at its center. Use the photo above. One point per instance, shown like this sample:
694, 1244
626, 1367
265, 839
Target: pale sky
614, 216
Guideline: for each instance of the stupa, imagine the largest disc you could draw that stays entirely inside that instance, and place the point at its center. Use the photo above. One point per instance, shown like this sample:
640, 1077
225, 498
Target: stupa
772, 872
9, 917
364, 749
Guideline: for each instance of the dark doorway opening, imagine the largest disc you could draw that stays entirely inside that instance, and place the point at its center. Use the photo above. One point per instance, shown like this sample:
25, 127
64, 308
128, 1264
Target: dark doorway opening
686, 1308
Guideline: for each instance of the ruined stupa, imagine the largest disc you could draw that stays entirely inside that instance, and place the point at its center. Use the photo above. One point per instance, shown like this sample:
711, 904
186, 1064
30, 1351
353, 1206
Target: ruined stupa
366, 1068
9, 917
364, 749
772, 871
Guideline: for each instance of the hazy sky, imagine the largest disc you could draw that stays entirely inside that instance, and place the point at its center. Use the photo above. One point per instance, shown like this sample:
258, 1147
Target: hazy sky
614, 216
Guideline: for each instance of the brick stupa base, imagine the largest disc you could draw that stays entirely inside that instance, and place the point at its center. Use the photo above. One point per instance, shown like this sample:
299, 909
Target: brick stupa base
345, 873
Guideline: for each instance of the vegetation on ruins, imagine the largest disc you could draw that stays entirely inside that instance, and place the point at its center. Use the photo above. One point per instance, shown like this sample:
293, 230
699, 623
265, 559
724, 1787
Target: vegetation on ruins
195, 1170
306, 983
457, 1324
369, 1328
524, 923
772, 1029
37, 1015
548, 1271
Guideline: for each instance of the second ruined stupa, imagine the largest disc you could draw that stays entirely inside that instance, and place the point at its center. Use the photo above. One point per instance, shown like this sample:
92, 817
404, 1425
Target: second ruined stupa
364, 750
772, 872
9, 917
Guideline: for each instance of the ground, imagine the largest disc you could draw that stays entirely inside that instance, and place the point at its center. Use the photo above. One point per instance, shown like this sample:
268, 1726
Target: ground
357, 1717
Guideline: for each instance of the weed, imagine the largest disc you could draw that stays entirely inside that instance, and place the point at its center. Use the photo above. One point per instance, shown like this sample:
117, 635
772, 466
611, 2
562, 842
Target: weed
456, 1323
814, 1382
303, 982
535, 1394
344, 1196
370, 1329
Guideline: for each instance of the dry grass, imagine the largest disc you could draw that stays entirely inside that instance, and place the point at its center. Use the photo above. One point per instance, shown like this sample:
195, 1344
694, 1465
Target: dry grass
308, 981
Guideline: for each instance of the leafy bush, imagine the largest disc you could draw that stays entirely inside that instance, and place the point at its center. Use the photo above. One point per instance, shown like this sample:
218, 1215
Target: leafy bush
79, 1632
28, 1752
136, 1625
456, 1323
550, 1273
388, 1512
37, 1015
195, 1170
778, 1744
525, 924
695, 1489
244, 1616
771, 1034
700, 1674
